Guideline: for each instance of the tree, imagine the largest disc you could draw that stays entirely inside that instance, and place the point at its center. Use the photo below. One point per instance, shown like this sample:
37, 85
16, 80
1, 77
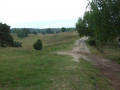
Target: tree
34, 32
49, 31
38, 45
23, 33
88, 20
10, 41
5, 37
81, 27
101, 22
43, 32
106, 20
63, 29
26, 31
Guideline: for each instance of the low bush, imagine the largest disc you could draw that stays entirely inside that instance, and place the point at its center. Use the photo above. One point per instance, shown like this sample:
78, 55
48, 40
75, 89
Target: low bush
91, 42
38, 45
17, 44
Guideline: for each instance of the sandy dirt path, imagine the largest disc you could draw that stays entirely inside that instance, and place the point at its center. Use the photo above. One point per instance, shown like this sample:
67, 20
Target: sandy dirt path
109, 69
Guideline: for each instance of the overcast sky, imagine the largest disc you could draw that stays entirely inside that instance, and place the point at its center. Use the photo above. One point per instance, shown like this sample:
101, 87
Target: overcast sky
41, 13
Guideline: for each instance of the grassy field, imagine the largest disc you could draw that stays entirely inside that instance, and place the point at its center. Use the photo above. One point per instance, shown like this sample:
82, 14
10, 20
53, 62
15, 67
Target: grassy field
111, 51
27, 69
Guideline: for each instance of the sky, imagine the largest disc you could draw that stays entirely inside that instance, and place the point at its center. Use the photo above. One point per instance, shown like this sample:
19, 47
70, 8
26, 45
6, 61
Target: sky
41, 13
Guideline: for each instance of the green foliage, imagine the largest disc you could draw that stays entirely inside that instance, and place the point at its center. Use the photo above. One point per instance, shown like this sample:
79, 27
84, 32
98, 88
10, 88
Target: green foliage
101, 22
26, 32
38, 45
81, 27
15, 30
49, 31
91, 42
63, 29
22, 34
34, 32
17, 44
88, 17
9, 40
5, 37
70, 29
43, 32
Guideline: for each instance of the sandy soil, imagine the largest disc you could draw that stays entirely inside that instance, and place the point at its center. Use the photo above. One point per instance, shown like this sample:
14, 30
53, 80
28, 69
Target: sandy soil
109, 69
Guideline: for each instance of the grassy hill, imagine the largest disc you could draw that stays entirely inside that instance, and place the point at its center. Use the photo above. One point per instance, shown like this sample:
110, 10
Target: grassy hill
27, 69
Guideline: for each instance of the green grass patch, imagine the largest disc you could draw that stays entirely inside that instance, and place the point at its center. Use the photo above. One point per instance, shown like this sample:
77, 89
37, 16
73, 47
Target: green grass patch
27, 69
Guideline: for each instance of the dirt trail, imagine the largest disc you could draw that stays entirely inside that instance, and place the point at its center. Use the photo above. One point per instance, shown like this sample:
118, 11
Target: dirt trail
109, 69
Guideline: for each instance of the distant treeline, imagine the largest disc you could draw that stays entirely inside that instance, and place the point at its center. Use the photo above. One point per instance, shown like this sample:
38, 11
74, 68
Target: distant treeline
43, 31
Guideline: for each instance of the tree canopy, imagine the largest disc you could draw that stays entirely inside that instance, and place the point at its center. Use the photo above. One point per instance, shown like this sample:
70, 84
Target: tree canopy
49, 31
5, 37
23, 33
101, 22
63, 29
38, 45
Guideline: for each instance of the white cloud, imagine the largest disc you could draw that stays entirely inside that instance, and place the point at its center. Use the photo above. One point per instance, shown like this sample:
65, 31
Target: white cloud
21, 11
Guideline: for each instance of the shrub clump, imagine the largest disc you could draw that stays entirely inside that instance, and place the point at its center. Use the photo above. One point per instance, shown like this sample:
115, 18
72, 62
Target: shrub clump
91, 42
17, 44
38, 45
